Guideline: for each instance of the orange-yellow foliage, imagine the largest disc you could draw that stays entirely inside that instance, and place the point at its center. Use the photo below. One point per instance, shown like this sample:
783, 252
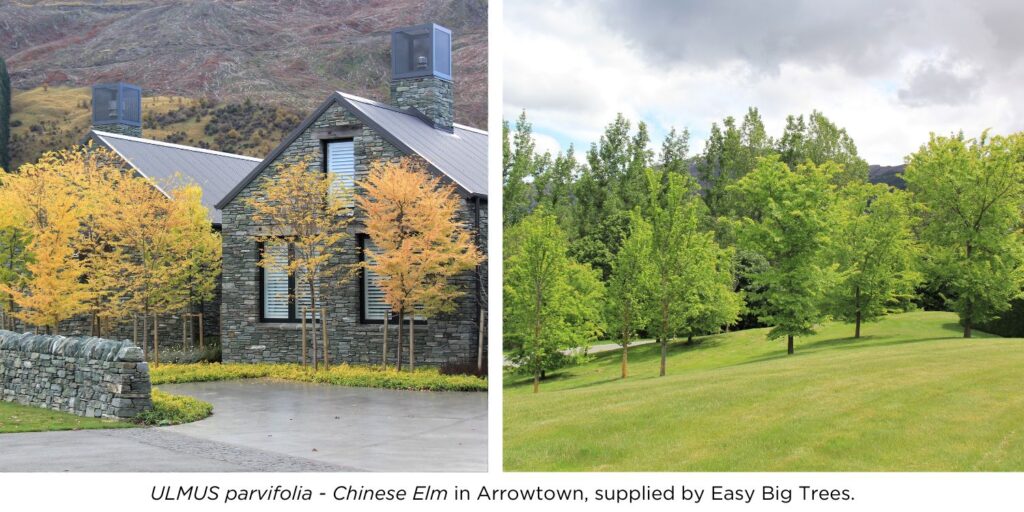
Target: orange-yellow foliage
420, 245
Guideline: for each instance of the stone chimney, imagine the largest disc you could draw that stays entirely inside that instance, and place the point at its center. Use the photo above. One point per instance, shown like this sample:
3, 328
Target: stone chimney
117, 108
421, 72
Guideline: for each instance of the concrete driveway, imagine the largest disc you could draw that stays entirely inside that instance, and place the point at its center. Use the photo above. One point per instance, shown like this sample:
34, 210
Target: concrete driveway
261, 425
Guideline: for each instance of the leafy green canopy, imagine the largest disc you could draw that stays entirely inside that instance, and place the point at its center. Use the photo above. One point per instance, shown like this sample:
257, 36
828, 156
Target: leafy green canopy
788, 223
972, 192
874, 247
552, 304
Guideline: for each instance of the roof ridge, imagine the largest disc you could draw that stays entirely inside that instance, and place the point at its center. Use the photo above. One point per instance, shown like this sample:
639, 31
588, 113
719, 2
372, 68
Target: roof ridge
176, 146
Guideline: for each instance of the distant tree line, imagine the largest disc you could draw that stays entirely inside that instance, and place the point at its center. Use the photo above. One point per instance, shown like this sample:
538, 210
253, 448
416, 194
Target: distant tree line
784, 232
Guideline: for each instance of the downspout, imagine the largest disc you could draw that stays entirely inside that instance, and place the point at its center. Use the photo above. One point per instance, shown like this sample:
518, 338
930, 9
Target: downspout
479, 286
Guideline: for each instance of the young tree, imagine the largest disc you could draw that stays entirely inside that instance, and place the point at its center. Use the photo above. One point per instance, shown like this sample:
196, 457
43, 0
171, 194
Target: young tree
873, 244
14, 257
5, 118
972, 192
689, 271
788, 223
198, 245
628, 286
308, 210
39, 201
140, 225
538, 296
420, 245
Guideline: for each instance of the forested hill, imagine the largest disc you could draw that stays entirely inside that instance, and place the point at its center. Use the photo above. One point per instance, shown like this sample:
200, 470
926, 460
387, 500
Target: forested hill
285, 56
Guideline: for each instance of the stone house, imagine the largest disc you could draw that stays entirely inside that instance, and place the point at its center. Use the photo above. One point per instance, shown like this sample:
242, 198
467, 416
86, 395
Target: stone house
260, 313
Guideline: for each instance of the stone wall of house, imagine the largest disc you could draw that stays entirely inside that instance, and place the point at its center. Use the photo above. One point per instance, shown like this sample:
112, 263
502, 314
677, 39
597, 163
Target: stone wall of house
443, 340
86, 376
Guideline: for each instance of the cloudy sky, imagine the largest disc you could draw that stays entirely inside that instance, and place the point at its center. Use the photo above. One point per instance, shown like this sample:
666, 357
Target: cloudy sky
889, 72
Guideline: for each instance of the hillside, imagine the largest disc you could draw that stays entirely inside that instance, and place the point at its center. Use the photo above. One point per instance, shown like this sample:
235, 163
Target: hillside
888, 174
287, 55
47, 118
912, 395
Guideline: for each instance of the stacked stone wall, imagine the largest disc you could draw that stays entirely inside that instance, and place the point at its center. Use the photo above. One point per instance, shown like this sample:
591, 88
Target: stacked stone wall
87, 376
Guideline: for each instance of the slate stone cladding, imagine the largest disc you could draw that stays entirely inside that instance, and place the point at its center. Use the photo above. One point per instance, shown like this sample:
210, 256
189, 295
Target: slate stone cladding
123, 129
448, 339
432, 96
87, 376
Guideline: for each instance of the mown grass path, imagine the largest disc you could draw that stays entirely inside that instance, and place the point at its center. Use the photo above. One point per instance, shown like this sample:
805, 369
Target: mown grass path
911, 395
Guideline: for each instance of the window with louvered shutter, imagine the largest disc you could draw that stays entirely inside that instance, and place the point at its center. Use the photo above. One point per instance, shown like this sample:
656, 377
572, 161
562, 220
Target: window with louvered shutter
341, 161
275, 283
374, 307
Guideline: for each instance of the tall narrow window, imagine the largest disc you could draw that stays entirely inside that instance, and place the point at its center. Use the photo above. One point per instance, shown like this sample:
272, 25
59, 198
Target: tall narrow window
374, 307
276, 283
341, 161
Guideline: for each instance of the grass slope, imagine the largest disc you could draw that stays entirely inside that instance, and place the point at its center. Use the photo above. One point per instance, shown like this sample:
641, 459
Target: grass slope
24, 418
911, 395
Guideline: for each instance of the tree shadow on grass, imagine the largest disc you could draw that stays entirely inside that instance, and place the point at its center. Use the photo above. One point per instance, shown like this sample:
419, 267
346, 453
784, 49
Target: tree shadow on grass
846, 343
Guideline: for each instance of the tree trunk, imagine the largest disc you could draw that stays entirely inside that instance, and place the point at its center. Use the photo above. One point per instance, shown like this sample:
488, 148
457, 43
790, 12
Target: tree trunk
967, 320
789, 350
664, 355
384, 355
412, 346
398, 345
156, 340
856, 299
145, 336
302, 322
689, 339
323, 326
625, 360
480, 342
536, 382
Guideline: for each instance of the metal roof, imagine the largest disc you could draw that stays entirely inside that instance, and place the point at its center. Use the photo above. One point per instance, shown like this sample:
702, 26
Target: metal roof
215, 172
460, 155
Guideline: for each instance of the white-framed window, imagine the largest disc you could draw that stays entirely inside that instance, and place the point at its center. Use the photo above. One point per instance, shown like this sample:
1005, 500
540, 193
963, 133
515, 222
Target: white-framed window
340, 158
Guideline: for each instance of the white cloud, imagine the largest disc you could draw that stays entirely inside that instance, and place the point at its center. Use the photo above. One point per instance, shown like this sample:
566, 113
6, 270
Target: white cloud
890, 75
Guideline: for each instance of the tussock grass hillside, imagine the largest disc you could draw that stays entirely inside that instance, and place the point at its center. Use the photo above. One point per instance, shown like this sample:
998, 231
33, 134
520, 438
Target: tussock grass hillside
911, 395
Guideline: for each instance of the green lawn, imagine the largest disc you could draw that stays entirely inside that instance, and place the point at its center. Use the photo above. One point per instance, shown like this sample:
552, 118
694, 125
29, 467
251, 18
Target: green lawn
911, 395
24, 418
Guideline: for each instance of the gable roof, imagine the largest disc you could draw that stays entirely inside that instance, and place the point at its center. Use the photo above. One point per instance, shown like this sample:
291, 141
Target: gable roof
215, 172
460, 155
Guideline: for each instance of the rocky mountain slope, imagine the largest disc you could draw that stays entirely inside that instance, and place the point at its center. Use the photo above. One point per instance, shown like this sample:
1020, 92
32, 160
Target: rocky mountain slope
287, 55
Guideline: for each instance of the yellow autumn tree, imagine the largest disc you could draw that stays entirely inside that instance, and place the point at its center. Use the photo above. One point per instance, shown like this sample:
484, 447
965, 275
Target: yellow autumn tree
142, 228
418, 243
198, 247
310, 210
41, 202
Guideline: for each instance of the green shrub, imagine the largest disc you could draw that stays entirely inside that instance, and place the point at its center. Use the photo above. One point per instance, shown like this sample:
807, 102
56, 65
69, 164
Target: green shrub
178, 354
171, 409
427, 379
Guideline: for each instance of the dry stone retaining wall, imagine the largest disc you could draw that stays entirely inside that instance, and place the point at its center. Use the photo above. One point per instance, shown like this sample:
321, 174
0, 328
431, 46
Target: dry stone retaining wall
87, 376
